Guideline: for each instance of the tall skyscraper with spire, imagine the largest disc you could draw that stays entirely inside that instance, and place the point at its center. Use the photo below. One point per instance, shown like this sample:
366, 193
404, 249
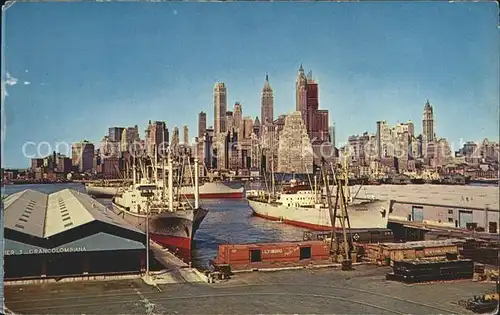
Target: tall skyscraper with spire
307, 103
267, 103
428, 123
301, 91
220, 107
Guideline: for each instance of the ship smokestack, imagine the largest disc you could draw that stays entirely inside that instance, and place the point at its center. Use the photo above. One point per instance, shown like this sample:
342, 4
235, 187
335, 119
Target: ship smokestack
170, 185
196, 185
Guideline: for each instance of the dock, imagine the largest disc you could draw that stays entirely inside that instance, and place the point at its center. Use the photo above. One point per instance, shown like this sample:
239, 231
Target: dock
176, 270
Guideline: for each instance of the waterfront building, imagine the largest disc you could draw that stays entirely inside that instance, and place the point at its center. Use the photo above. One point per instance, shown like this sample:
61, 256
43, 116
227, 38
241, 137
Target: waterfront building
295, 153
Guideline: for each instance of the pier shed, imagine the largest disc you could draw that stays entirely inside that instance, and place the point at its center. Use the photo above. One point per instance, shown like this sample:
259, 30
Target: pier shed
67, 233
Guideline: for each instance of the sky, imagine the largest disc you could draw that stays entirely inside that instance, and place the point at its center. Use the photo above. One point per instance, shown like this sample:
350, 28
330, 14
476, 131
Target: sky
72, 70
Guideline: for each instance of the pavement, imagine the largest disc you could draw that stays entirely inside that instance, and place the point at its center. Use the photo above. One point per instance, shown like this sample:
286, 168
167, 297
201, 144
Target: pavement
320, 291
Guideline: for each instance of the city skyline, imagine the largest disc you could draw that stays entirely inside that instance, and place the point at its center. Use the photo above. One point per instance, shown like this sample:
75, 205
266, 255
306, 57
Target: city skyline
389, 88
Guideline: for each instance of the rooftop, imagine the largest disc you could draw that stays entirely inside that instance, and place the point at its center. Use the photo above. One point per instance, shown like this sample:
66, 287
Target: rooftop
42, 215
480, 197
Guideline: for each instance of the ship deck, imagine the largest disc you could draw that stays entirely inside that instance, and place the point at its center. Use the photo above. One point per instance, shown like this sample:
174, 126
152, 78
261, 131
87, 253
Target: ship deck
362, 291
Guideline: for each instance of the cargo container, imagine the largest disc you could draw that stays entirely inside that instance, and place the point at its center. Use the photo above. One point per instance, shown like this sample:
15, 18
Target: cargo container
386, 253
255, 255
360, 236
413, 271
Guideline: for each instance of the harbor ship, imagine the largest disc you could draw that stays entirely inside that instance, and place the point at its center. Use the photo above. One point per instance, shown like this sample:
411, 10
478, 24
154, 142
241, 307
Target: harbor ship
302, 206
172, 221
207, 190
302, 209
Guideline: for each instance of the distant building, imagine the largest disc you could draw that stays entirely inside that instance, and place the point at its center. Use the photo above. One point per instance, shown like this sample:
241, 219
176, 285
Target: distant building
174, 144
157, 138
185, 135
129, 139
428, 123
115, 134
256, 127
82, 156
202, 124
307, 103
267, 103
295, 153
237, 116
332, 135
229, 121
220, 108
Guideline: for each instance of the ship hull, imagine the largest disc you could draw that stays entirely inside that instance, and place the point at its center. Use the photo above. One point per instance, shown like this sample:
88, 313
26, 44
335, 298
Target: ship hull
362, 216
173, 230
102, 191
206, 191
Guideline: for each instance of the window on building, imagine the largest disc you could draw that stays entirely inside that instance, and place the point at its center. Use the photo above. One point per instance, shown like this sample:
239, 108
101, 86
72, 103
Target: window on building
450, 220
450, 211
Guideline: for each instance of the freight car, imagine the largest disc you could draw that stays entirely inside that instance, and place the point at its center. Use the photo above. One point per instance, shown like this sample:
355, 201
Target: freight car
361, 236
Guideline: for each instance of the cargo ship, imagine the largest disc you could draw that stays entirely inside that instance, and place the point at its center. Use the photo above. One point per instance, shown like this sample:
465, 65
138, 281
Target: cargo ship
207, 190
303, 210
303, 206
172, 222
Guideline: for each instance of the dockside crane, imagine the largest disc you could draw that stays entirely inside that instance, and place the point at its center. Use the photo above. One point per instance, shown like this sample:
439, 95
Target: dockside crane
342, 252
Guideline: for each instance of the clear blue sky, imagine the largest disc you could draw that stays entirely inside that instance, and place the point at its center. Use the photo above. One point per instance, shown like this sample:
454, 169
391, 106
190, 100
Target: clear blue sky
95, 65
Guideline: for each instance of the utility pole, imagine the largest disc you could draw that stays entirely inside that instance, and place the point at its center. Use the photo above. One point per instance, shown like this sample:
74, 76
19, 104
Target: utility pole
148, 194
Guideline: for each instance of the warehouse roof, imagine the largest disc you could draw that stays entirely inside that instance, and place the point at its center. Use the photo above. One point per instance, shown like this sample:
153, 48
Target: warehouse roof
38, 214
449, 195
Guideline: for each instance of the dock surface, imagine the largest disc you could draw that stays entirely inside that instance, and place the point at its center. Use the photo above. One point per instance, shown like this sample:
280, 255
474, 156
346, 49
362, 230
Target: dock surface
327, 291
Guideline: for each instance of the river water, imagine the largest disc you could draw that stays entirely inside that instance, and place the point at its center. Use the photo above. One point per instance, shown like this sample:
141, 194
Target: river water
228, 221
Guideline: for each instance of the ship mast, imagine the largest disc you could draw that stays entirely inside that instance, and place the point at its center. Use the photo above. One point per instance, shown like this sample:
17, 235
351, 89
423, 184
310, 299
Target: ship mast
163, 175
170, 185
196, 186
134, 175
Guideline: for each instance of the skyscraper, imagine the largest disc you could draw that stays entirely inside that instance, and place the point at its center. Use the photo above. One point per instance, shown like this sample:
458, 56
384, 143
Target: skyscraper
295, 151
307, 103
300, 88
82, 155
185, 135
115, 134
202, 124
157, 138
428, 123
175, 139
237, 116
220, 107
267, 103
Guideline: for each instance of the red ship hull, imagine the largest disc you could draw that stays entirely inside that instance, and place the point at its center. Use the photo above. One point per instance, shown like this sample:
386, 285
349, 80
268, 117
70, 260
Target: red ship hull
180, 246
309, 226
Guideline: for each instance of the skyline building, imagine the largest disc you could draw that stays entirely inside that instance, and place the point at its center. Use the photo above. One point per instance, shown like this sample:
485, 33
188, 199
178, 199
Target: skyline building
175, 139
428, 123
220, 108
267, 104
307, 103
157, 138
237, 116
295, 154
185, 135
82, 156
115, 134
202, 124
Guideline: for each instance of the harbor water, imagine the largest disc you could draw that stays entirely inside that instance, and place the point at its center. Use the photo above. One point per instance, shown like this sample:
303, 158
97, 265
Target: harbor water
228, 221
